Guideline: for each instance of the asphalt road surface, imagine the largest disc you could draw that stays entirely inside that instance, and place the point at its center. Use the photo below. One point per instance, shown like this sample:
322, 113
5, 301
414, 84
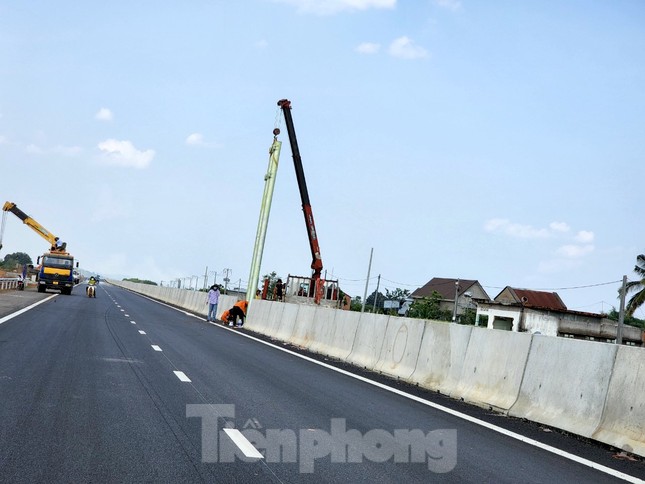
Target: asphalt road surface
124, 389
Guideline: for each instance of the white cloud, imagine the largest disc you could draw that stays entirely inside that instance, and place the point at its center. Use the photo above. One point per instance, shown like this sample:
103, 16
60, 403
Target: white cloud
123, 153
585, 237
262, 44
3, 140
574, 251
195, 139
368, 48
559, 227
330, 7
405, 48
68, 151
514, 229
34, 150
449, 4
104, 114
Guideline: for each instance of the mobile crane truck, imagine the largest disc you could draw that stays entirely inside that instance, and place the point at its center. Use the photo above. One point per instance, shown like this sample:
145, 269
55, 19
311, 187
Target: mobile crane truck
56, 265
316, 288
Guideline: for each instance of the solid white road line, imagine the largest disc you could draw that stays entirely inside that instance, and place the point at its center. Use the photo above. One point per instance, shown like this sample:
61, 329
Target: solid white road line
244, 445
142, 332
24, 310
182, 376
156, 348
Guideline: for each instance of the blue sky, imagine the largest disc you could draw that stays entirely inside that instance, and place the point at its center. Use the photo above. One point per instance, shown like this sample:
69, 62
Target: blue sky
500, 141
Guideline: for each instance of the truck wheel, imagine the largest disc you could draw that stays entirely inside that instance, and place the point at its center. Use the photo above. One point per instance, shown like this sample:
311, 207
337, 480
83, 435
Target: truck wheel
41, 288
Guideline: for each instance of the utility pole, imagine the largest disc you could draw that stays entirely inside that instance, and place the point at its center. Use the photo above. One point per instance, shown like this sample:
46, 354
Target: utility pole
265, 210
621, 314
206, 278
226, 279
378, 283
369, 268
454, 313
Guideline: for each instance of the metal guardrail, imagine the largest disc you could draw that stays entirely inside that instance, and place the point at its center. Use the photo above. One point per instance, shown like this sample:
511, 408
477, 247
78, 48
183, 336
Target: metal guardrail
8, 283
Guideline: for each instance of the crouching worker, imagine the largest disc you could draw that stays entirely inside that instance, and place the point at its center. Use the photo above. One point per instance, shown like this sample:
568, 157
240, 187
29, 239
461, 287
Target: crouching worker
236, 315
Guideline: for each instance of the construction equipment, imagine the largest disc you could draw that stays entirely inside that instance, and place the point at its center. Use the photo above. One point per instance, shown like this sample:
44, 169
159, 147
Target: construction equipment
56, 265
316, 264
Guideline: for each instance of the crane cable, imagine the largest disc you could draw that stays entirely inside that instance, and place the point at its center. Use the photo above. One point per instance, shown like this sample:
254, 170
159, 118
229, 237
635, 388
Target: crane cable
4, 221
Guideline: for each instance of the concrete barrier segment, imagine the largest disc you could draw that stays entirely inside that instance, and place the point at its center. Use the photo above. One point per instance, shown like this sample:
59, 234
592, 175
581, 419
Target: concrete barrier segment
368, 341
565, 383
287, 321
623, 420
400, 351
303, 329
492, 371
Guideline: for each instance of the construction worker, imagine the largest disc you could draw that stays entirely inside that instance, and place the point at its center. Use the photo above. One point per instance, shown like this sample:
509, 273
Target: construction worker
235, 316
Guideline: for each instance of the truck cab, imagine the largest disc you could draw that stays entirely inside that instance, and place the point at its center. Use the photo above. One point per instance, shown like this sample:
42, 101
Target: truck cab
56, 271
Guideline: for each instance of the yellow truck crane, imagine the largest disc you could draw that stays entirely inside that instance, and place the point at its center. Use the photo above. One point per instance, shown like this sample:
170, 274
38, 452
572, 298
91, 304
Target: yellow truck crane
56, 266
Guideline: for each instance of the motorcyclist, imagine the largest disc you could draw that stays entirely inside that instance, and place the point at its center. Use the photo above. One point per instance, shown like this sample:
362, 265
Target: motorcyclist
93, 283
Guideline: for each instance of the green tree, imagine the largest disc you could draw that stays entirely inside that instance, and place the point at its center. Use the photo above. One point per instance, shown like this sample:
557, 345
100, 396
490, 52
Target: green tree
17, 258
636, 287
356, 304
468, 317
428, 308
140, 281
629, 320
369, 302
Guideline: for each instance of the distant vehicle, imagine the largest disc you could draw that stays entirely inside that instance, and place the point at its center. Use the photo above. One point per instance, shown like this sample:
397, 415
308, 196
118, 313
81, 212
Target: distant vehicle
77, 277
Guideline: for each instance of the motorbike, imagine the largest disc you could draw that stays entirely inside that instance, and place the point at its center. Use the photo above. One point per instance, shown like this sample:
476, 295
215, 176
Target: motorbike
91, 291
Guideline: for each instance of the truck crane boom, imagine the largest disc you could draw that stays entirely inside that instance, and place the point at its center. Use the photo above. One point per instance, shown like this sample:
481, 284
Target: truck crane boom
31, 223
316, 264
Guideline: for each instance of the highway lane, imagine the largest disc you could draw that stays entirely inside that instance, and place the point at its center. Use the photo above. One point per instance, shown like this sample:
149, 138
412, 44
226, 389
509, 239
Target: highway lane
88, 392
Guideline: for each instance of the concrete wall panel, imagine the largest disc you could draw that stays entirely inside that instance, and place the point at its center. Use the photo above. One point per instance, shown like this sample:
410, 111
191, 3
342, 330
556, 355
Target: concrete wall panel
565, 383
400, 351
623, 420
441, 356
493, 368
369, 339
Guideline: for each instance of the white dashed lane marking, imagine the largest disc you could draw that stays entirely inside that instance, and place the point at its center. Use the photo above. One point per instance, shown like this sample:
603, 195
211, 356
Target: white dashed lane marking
182, 376
142, 332
244, 445
156, 348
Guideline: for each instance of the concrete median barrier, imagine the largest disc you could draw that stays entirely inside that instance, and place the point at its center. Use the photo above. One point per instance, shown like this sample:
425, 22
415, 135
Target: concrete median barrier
492, 371
368, 341
337, 338
303, 328
258, 316
565, 383
623, 420
287, 322
400, 351
441, 356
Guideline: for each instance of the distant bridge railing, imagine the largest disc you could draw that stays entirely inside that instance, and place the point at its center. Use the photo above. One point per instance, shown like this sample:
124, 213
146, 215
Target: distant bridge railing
8, 283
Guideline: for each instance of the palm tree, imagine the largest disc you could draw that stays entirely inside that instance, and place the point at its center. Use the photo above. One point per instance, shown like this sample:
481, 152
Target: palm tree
637, 287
